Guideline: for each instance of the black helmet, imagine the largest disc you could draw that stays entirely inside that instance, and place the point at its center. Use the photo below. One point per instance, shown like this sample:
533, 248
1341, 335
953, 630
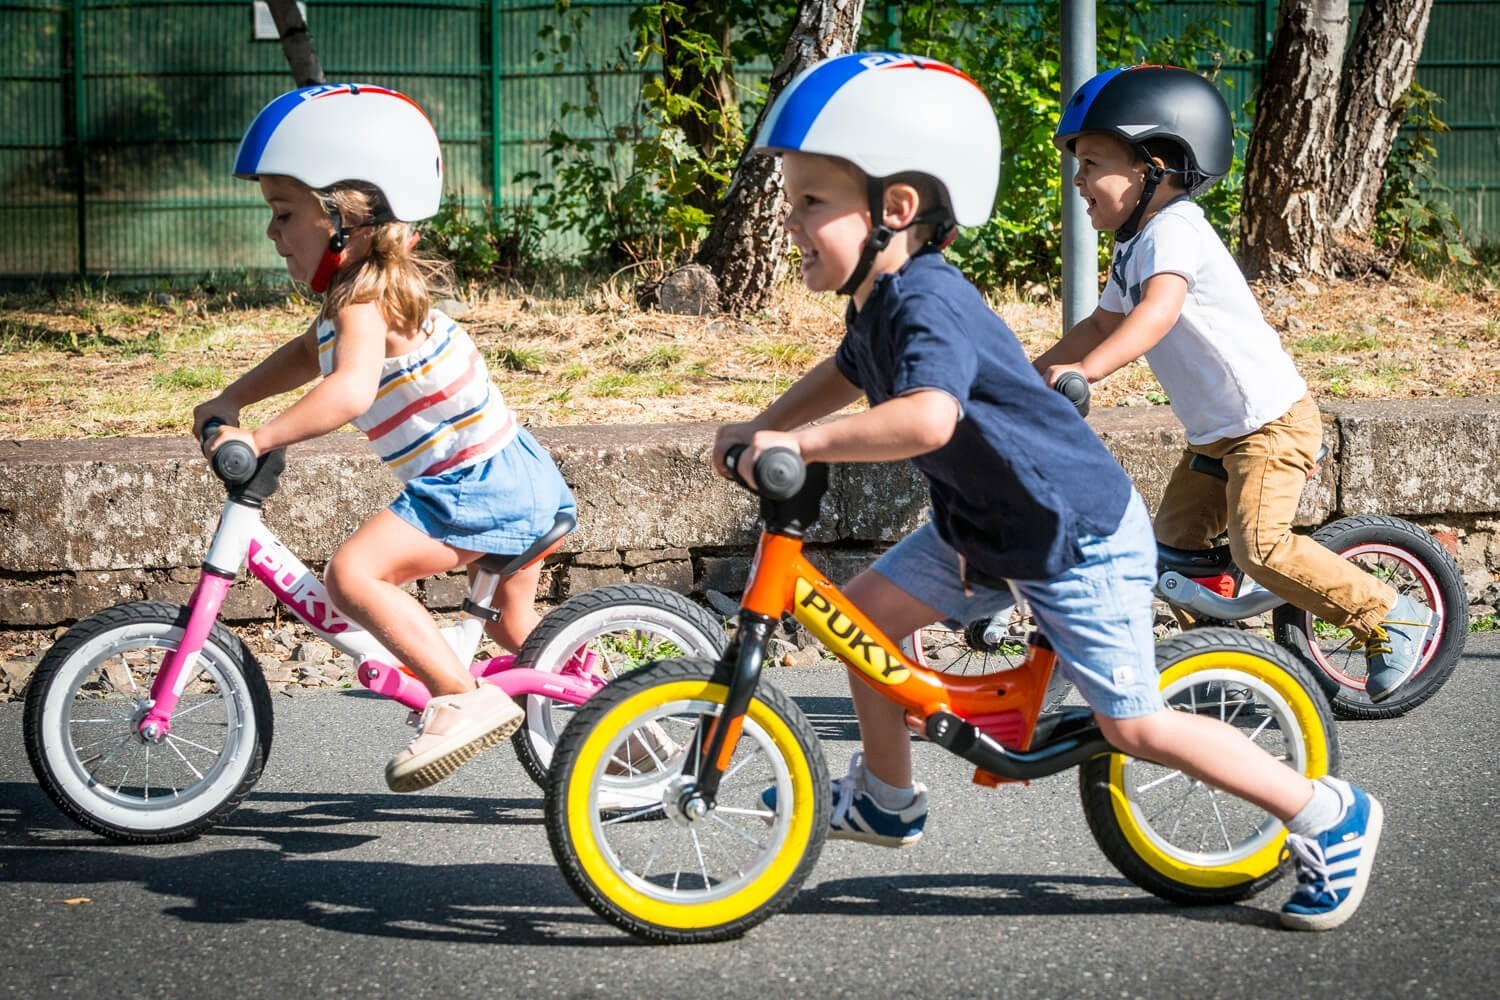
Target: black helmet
1139, 103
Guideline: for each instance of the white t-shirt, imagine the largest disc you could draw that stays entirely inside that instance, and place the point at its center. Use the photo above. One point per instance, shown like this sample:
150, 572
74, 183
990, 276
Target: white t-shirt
1221, 364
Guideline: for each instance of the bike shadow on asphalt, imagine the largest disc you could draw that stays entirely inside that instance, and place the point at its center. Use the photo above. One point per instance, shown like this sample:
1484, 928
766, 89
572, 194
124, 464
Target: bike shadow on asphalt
832, 718
1003, 895
294, 877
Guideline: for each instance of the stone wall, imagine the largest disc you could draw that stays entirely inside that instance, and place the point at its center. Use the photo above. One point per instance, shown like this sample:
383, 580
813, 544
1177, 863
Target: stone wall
86, 524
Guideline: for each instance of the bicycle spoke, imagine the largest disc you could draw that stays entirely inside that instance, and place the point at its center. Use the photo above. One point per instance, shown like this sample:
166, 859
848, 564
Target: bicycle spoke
761, 814
108, 758
737, 831
173, 741
182, 713
631, 816
1222, 823
1153, 785
698, 854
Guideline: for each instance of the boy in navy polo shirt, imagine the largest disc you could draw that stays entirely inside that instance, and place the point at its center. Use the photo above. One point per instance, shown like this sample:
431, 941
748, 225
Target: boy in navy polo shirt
882, 156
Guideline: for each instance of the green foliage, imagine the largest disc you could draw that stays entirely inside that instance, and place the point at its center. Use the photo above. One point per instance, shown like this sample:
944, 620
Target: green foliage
495, 242
1413, 221
1015, 59
643, 191
638, 190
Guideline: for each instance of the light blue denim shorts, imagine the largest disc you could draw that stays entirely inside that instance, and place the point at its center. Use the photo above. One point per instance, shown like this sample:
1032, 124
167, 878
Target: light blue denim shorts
1097, 614
498, 506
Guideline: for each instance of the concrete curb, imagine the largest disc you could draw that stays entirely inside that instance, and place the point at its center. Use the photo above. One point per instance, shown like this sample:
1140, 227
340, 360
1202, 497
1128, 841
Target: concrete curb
87, 524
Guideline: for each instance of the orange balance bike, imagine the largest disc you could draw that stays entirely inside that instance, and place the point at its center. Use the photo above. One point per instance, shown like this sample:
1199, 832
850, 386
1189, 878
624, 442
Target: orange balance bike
654, 805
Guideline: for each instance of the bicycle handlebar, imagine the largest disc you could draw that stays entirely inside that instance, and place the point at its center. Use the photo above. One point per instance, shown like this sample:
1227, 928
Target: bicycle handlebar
233, 461
778, 474
1076, 388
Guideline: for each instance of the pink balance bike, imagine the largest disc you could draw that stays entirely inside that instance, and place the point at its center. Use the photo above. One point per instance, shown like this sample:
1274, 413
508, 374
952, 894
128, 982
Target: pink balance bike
150, 722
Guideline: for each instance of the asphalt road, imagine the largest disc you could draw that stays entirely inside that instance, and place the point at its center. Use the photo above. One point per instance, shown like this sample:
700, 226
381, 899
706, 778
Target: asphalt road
325, 883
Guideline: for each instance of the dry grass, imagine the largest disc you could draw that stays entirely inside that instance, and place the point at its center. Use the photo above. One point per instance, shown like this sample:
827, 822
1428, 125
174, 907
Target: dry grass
97, 365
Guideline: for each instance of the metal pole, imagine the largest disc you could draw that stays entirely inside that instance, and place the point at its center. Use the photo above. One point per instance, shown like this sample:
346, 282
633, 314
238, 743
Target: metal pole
497, 174
73, 54
1080, 251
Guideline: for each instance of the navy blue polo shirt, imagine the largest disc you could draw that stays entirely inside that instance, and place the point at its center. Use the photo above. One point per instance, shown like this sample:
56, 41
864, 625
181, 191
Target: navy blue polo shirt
1023, 477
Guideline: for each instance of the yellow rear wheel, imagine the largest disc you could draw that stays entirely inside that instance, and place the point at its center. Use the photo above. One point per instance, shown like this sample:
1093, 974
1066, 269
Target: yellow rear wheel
1177, 837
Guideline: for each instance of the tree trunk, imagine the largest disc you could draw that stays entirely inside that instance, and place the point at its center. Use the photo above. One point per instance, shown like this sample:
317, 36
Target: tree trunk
1382, 64
746, 247
296, 42
1285, 220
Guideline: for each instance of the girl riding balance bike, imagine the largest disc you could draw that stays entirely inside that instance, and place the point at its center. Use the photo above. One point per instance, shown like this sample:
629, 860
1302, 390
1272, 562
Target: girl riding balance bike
346, 170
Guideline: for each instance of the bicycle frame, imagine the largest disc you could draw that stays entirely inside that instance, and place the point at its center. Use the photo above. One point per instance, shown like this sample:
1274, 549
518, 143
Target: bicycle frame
243, 540
989, 720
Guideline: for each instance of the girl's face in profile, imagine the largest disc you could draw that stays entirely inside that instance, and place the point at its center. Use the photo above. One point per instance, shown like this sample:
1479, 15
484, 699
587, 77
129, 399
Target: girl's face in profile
299, 227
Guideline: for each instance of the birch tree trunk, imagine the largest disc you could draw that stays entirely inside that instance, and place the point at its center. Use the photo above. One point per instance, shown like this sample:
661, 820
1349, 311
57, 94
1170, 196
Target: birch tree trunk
1285, 220
296, 42
746, 247
1324, 128
1382, 64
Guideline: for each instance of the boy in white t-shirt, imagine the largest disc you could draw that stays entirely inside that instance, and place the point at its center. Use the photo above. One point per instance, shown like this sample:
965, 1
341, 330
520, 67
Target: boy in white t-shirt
1147, 139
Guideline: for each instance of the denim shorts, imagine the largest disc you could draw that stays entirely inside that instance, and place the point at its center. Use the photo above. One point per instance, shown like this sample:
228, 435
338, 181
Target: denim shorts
1097, 614
498, 506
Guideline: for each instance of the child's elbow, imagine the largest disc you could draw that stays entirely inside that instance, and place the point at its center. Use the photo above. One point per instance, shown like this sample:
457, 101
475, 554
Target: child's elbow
939, 422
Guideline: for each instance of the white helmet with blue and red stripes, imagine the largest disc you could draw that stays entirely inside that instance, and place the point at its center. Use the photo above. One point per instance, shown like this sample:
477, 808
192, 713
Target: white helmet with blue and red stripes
349, 132
890, 113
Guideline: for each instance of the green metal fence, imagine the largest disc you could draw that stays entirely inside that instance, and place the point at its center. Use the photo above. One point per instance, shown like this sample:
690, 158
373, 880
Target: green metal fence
119, 120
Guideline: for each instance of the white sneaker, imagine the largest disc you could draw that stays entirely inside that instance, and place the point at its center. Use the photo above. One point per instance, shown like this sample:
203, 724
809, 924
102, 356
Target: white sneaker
451, 730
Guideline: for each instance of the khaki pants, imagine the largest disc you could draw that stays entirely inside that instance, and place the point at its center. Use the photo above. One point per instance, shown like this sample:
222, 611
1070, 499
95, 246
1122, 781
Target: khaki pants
1267, 471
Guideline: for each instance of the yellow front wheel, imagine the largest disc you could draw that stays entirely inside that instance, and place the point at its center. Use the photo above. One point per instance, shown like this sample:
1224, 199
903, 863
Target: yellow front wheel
1183, 840
636, 843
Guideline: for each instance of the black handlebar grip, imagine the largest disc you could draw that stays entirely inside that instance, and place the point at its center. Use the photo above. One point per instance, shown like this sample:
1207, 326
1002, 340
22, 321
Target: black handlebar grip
233, 461
1076, 388
779, 473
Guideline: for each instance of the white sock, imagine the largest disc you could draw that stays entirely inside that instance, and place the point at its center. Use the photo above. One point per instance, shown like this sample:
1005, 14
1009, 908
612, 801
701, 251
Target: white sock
1323, 810
889, 797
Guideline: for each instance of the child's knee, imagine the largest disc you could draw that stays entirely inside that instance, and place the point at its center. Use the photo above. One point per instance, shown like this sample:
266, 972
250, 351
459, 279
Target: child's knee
1136, 735
340, 577
1256, 550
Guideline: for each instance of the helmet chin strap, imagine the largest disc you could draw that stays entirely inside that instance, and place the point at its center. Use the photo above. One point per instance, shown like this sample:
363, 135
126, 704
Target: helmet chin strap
1154, 176
333, 257
881, 235
878, 239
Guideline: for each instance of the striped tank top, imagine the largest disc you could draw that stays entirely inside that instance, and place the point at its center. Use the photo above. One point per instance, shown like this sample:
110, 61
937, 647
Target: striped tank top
436, 409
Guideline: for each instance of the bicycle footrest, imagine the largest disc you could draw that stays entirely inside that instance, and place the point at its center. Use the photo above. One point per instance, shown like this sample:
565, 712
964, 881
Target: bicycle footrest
1068, 748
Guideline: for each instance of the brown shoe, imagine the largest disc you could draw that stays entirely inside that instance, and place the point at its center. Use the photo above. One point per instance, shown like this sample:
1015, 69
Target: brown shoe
452, 729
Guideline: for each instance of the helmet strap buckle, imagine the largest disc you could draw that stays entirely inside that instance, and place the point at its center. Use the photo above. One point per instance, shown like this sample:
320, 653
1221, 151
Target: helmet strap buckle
333, 257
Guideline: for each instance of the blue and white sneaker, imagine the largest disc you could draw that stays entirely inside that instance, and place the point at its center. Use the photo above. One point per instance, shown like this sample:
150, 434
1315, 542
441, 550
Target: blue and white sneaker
1394, 649
1334, 866
857, 816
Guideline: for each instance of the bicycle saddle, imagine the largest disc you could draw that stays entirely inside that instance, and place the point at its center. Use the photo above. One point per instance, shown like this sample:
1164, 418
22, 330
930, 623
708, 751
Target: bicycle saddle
1193, 562
506, 565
